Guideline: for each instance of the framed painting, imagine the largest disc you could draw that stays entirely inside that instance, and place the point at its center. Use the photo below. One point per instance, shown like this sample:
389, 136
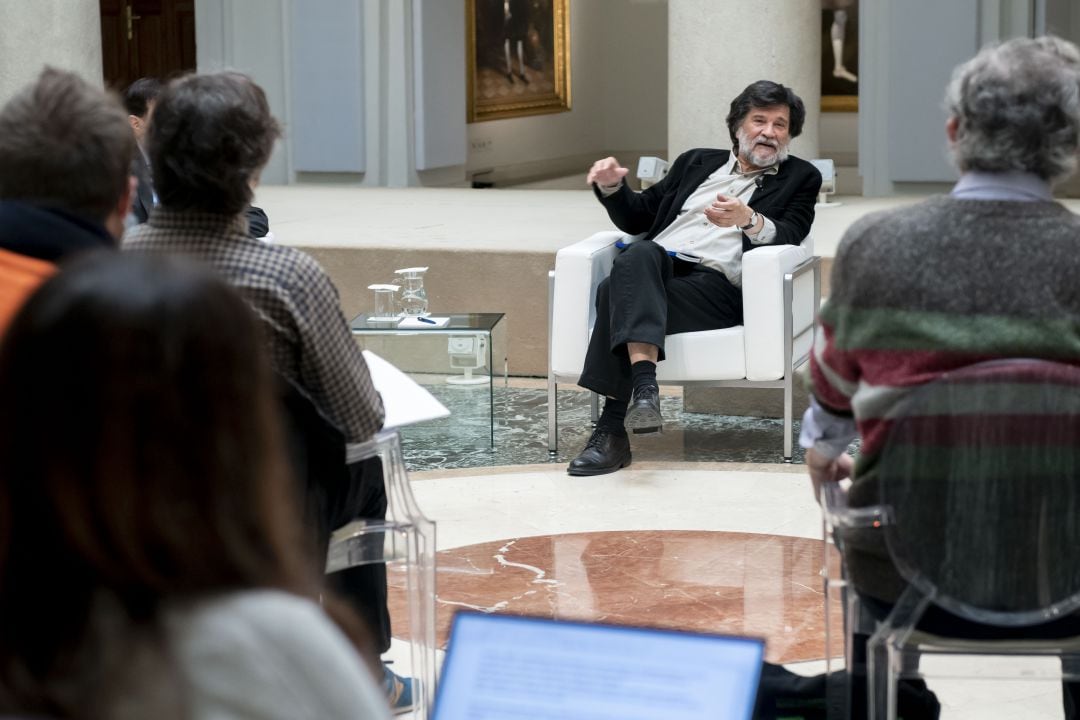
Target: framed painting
839, 55
518, 57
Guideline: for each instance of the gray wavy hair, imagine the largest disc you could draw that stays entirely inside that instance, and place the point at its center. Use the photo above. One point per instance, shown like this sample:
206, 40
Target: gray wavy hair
1018, 107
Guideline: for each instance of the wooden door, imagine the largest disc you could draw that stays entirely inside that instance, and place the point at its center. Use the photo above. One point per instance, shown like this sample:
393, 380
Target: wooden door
146, 38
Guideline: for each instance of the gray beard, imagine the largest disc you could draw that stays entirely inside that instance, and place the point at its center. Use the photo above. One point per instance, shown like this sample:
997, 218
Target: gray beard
746, 152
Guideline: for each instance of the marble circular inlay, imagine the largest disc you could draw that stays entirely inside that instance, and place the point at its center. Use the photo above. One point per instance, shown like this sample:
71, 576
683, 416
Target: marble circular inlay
737, 583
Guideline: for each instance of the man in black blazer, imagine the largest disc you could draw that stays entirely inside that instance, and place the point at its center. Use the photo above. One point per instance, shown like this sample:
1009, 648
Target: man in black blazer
139, 99
685, 274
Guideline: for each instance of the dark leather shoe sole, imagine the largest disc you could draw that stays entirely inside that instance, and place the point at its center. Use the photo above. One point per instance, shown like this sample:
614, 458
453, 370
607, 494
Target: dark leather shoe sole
585, 471
644, 419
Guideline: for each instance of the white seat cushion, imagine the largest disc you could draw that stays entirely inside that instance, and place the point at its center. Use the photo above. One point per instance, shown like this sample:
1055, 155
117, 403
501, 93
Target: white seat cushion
704, 355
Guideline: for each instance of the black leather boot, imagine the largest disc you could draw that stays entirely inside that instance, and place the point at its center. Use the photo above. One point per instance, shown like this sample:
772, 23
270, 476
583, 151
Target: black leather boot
605, 452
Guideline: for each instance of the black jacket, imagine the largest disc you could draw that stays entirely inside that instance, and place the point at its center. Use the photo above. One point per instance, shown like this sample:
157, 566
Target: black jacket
143, 201
48, 233
787, 198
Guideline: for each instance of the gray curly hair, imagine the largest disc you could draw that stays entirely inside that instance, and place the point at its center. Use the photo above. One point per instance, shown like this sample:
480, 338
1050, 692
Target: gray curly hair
1018, 108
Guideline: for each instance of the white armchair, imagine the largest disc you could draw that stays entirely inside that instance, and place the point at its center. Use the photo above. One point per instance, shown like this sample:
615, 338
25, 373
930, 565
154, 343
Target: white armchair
781, 293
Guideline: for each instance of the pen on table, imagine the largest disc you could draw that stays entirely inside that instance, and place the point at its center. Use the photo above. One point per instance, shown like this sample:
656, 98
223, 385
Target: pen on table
425, 320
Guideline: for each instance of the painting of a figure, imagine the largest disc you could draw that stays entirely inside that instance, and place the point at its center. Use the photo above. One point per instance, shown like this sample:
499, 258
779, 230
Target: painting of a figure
518, 58
840, 55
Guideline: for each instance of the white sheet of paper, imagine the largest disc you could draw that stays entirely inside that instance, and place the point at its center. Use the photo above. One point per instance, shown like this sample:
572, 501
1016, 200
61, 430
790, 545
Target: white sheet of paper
405, 401
423, 324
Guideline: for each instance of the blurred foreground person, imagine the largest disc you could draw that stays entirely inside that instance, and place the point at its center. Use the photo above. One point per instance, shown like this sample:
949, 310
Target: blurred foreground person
149, 553
987, 272
210, 139
65, 179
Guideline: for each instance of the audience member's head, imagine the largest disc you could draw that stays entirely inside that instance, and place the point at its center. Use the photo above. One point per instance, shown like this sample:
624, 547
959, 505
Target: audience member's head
139, 99
765, 95
140, 463
1016, 107
211, 137
66, 144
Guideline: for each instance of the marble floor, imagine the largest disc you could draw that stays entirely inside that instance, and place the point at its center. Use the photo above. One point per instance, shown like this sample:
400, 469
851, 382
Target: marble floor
679, 539
706, 530
463, 441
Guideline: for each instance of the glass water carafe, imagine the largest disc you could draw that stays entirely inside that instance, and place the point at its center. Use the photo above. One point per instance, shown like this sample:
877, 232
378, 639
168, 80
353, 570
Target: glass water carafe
413, 299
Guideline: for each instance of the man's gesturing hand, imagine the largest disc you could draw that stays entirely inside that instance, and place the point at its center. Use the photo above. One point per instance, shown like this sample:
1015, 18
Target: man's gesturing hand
606, 172
728, 211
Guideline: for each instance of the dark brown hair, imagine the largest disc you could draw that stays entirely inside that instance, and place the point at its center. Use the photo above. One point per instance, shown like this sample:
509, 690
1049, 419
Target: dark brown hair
66, 144
211, 136
140, 463
764, 94
139, 95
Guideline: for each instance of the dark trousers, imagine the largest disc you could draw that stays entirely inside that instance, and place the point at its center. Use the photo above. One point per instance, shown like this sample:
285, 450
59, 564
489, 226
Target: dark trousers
647, 296
941, 622
362, 587
332, 494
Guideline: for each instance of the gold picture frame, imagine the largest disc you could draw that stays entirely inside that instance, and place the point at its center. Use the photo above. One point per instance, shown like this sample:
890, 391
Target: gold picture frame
839, 103
839, 36
518, 58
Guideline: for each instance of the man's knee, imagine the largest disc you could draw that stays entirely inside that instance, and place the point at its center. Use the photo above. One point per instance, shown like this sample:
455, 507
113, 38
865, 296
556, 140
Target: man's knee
640, 251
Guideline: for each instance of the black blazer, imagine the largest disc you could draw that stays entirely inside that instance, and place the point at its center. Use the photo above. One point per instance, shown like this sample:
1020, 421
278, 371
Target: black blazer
787, 198
143, 201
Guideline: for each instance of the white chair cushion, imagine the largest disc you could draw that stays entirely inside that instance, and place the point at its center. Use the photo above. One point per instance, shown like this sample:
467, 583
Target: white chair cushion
704, 355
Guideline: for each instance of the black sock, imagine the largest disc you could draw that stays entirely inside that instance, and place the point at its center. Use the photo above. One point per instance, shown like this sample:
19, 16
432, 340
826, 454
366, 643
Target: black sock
613, 415
643, 372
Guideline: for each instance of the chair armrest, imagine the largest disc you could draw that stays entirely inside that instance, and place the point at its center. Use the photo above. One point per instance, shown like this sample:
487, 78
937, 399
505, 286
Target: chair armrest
763, 307
833, 499
579, 268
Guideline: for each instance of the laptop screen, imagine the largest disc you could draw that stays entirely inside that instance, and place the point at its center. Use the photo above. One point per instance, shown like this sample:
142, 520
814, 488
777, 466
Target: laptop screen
505, 667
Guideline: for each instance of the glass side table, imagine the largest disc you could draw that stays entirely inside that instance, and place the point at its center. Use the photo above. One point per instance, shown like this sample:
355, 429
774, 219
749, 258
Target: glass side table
470, 327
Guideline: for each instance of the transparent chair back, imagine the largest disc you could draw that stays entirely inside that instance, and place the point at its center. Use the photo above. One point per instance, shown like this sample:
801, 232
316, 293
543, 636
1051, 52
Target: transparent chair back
405, 541
981, 476
979, 481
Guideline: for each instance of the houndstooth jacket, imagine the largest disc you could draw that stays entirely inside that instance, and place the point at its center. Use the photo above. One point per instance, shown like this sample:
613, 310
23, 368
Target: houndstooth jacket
309, 339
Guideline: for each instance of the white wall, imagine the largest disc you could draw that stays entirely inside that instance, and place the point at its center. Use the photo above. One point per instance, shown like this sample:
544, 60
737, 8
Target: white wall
63, 33
635, 74
249, 35
253, 36
618, 78
838, 138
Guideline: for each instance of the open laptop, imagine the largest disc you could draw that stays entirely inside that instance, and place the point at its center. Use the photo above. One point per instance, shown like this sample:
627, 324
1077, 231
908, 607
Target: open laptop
505, 667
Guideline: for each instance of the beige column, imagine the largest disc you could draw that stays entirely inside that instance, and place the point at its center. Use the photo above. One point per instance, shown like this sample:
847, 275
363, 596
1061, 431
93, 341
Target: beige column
715, 49
65, 34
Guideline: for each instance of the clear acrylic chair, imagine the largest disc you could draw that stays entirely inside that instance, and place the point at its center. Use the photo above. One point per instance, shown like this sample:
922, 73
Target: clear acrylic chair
405, 541
839, 595
979, 484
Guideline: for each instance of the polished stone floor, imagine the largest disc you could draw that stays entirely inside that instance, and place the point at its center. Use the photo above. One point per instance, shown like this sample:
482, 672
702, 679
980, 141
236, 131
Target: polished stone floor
707, 530
462, 440
721, 547
732, 583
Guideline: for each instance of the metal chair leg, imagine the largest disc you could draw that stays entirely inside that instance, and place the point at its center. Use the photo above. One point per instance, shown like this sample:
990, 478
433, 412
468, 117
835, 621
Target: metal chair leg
789, 395
553, 416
